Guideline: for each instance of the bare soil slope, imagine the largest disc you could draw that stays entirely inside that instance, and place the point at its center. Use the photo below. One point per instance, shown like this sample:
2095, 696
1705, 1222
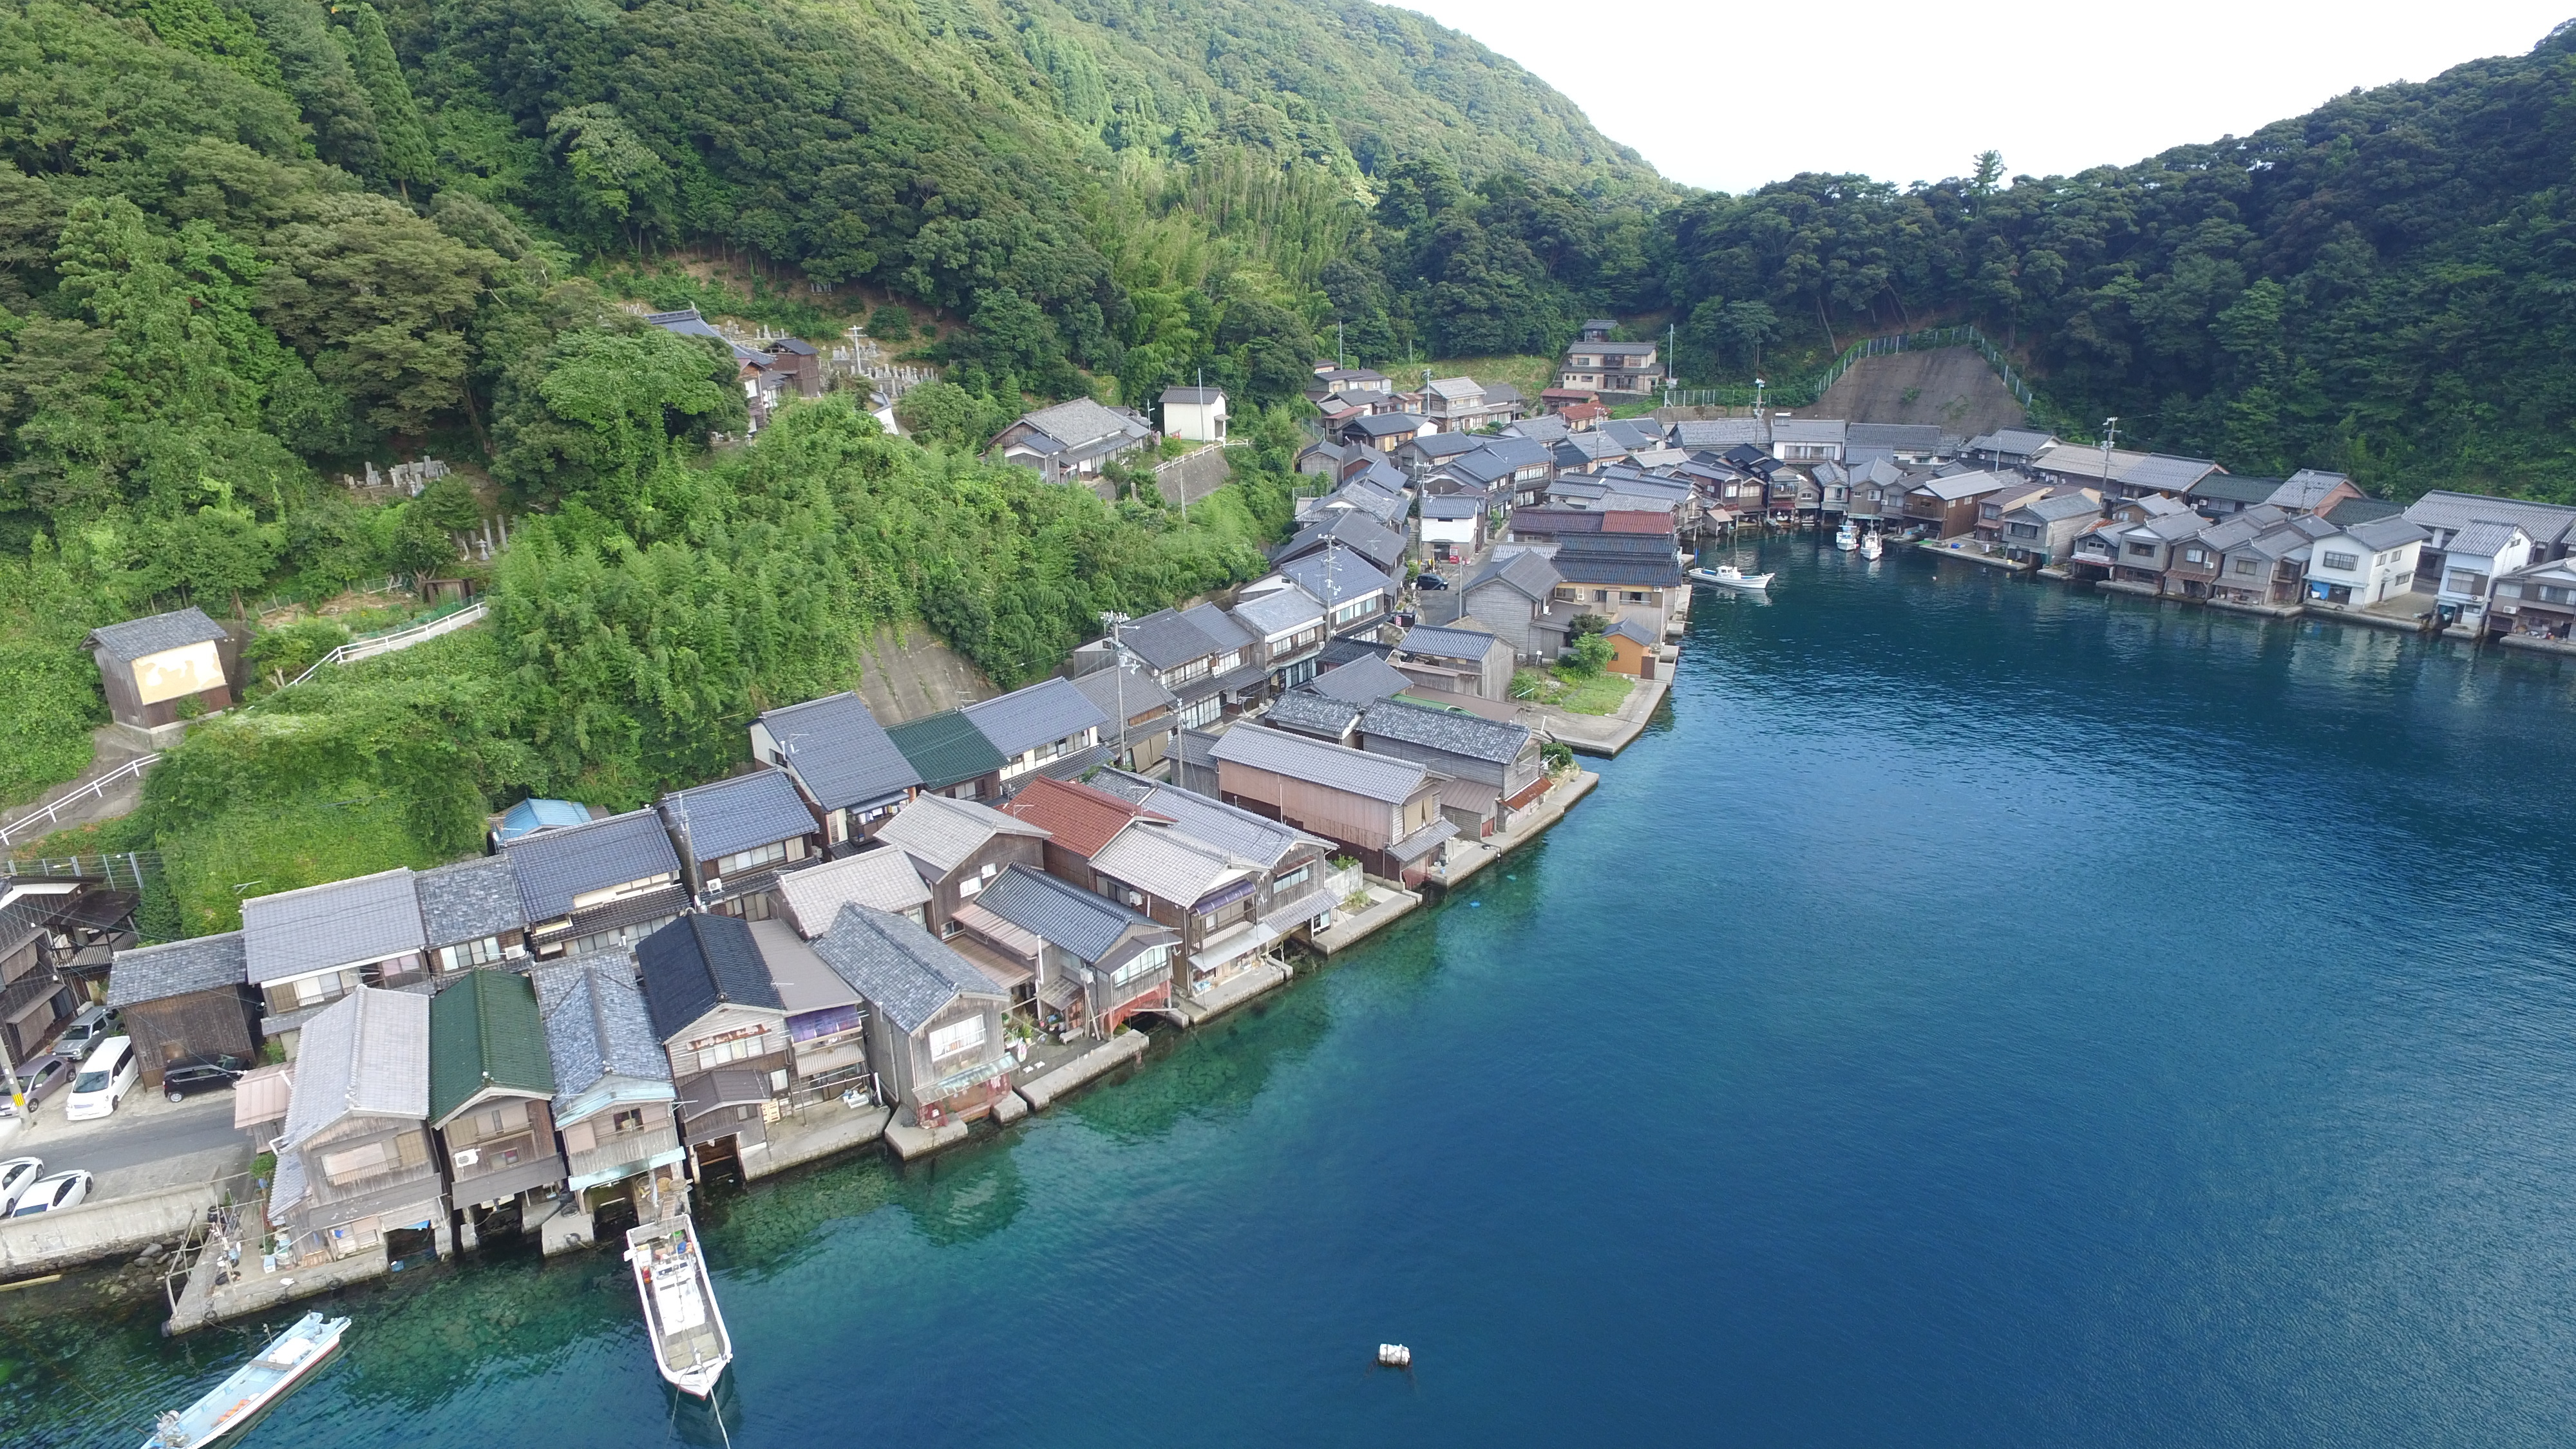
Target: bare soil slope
907, 673
1951, 386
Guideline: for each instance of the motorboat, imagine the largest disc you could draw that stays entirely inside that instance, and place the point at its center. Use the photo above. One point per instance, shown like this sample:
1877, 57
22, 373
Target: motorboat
1870, 545
690, 1345
239, 1401
1728, 576
1847, 537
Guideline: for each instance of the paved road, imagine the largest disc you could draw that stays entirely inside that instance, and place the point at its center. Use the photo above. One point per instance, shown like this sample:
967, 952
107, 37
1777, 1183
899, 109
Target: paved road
146, 1129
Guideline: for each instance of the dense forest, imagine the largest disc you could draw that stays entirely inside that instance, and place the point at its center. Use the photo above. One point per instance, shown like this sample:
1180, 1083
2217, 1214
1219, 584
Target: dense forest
247, 245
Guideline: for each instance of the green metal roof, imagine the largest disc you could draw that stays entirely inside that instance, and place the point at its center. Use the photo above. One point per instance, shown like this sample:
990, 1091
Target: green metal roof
485, 1031
945, 749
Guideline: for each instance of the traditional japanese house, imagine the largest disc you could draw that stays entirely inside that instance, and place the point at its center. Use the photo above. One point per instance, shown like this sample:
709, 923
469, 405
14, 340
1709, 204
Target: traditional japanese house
1290, 624
1492, 767
472, 914
2536, 601
1096, 962
1513, 594
1143, 716
190, 998
1384, 811
958, 848
826, 1048
491, 1094
35, 1000
1460, 657
842, 762
883, 879
306, 949
1383, 547
737, 836
357, 1168
2043, 531
952, 756
720, 1019
934, 1022
1357, 593
600, 885
1306, 712
1636, 647
615, 1108
1947, 507
1047, 728
1292, 863
1075, 821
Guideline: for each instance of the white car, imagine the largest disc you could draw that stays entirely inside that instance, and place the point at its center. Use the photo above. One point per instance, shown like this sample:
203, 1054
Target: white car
53, 1194
15, 1174
110, 1073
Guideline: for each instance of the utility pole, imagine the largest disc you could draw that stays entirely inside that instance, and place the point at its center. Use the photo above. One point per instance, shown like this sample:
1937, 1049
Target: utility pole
1671, 331
17, 1090
1338, 364
2110, 434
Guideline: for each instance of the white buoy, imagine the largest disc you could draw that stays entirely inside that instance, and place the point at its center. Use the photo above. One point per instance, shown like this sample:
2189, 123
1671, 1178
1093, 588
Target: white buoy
1394, 1355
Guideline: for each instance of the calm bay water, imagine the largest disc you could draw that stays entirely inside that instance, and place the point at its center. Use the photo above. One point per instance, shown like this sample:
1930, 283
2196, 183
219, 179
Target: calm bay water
1978, 1014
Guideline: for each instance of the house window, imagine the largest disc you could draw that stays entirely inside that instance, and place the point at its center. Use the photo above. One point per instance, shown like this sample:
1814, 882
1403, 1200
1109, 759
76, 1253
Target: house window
1144, 963
2343, 562
2554, 593
2461, 581
470, 954
2243, 566
2193, 555
364, 1160
957, 1037
629, 1120
2025, 530
737, 1047
743, 860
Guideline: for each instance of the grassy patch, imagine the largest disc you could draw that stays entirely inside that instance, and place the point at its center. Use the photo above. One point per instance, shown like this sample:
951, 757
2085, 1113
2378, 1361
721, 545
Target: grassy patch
1601, 694
1532, 375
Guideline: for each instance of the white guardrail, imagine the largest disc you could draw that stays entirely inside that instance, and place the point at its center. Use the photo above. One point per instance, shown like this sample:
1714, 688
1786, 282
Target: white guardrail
26, 826
399, 639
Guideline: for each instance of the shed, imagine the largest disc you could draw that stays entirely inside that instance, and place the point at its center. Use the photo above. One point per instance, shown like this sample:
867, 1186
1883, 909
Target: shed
149, 667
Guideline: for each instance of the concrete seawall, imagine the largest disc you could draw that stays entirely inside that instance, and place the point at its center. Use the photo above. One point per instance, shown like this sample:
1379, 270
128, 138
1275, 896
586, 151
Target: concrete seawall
97, 1233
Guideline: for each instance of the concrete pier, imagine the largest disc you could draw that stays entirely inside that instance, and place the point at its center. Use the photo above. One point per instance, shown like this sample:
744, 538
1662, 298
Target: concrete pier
1466, 857
822, 1130
1604, 734
1392, 903
1256, 979
101, 1232
1046, 1090
911, 1142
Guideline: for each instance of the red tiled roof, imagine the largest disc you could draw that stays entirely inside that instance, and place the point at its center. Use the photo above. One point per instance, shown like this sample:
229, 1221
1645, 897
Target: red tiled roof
1638, 520
1077, 817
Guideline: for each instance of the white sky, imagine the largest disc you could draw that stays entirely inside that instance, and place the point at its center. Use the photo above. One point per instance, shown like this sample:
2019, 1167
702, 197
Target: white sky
1730, 96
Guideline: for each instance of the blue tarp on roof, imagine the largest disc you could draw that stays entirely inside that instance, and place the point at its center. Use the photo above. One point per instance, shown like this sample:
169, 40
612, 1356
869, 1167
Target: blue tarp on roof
530, 816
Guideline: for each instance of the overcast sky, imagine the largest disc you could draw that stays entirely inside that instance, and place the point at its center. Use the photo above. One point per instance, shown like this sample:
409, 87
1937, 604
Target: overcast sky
1730, 96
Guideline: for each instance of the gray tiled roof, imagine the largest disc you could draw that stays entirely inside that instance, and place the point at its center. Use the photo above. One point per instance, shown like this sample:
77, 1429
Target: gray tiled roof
941, 833
470, 900
1435, 446
1337, 575
1449, 731
1307, 712
558, 865
2483, 538
1352, 529
1166, 862
1083, 421
898, 968
1263, 841
1634, 632
157, 973
142, 638
2159, 470
747, 811
1953, 487
1046, 711
1525, 572
2235, 488
367, 918
1437, 641
1123, 694
2545, 522
1166, 640
598, 1025
1617, 566
366, 1052
2016, 442
1417, 845
1541, 430
1280, 611
1319, 762
1362, 681
1385, 425
2063, 505
1193, 396
1218, 625
839, 751
1453, 507
1080, 921
2382, 533
883, 879
700, 962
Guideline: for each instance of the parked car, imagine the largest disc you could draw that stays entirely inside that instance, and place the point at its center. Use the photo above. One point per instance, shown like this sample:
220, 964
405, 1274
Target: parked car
1430, 581
190, 1075
53, 1194
110, 1073
39, 1078
15, 1174
88, 1027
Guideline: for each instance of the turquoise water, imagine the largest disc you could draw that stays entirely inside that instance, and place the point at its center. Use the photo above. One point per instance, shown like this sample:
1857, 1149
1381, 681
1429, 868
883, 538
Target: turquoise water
1975, 1014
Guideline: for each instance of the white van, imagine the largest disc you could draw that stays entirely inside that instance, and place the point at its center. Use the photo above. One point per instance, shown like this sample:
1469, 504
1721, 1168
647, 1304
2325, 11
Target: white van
110, 1073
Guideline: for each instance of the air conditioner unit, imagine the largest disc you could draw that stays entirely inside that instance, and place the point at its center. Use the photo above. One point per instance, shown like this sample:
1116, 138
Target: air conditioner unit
715, 883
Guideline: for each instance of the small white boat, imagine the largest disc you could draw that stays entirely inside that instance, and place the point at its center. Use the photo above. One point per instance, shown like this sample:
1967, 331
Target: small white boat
1847, 537
1728, 576
237, 1402
690, 1345
1870, 547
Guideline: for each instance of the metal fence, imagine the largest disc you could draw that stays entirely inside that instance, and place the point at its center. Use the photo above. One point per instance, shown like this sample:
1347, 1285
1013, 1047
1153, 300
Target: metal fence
44, 818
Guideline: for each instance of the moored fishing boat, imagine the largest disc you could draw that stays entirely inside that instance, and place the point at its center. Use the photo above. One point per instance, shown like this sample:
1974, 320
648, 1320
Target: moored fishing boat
1870, 546
248, 1392
690, 1345
1847, 537
1728, 576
